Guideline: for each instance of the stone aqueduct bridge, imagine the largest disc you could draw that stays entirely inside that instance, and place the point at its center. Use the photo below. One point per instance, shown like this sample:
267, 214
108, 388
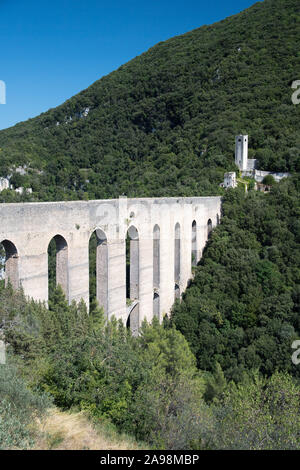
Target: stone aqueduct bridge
167, 235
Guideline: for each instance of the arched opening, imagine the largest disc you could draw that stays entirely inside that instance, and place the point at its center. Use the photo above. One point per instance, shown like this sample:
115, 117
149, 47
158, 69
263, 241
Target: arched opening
156, 305
156, 270
58, 272
209, 228
194, 243
9, 264
133, 317
98, 270
132, 278
177, 260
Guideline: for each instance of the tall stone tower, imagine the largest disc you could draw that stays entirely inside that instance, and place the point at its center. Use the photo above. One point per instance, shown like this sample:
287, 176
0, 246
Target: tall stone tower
241, 152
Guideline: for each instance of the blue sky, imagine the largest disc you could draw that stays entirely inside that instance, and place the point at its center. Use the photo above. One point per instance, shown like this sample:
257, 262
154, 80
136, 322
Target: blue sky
51, 50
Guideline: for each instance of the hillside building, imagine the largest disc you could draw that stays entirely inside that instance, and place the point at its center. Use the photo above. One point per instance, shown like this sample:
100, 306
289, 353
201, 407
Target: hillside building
229, 180
247, 166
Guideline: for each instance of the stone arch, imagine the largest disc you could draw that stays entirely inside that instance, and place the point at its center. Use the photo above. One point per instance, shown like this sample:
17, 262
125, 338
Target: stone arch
156, 270
11, 263
177, 263
156, 305
132, 277
194, 244
98, 268
133, 317
209, 228
58, 268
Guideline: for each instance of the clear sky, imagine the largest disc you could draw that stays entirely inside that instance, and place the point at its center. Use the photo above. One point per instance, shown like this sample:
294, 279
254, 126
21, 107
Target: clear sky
51, 50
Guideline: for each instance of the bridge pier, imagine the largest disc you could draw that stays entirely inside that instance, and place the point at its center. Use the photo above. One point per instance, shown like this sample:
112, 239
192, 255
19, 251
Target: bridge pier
117, 279
79, 267
186, 248
166, 291
146, 278
33, 265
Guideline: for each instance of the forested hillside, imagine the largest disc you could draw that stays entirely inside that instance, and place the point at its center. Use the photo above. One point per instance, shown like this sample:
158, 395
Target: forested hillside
242, 309
164, 123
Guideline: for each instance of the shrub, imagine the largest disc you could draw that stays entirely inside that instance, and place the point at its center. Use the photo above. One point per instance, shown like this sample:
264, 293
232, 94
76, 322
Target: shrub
19, 407
269, 180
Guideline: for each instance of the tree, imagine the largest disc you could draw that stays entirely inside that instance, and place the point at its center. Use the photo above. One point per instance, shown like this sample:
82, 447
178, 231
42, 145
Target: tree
269, 180
259, 414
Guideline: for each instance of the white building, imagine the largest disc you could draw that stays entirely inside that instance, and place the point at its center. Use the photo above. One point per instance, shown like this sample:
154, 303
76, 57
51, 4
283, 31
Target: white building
229, 180
4, 184
247, 166
22, 190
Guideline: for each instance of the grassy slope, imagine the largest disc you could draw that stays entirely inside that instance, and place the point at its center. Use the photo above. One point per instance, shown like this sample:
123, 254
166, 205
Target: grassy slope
164, 123
62, 430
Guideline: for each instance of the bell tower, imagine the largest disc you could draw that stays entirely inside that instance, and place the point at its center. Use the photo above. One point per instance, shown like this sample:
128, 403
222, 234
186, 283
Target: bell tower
241, 152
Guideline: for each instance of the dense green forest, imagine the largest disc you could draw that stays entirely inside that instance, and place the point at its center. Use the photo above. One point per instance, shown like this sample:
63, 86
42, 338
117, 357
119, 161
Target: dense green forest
242, 308
164, 123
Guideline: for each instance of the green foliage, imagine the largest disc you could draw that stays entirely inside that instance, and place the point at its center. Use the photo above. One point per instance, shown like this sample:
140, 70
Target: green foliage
215, 384
147, 386
164, 123
168, 405
242, 308
269, 180
259, 414
92, 266
19, 406
52, 266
